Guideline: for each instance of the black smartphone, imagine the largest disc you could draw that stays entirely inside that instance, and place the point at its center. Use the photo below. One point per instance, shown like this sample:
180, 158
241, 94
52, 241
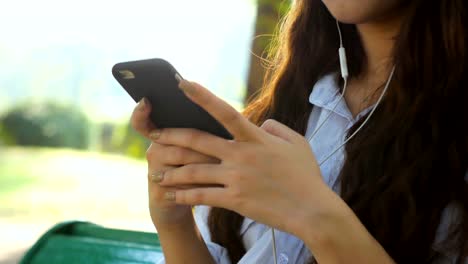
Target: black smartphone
157, 80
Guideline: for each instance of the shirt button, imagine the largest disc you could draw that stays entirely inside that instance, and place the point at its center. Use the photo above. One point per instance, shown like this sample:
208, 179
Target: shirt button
283, 259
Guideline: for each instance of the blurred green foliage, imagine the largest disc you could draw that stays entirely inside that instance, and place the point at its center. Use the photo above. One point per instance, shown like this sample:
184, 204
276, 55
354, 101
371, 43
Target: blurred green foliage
269, 14
45, 124
53, 125
127, 141
5, 137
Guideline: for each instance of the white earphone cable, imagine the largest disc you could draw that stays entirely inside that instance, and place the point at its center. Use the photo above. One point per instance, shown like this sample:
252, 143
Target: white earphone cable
344, 75
275, 255
365, 121
331, 112
339, 32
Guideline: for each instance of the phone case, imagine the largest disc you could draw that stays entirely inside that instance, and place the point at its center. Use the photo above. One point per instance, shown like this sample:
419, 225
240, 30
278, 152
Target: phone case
156, 80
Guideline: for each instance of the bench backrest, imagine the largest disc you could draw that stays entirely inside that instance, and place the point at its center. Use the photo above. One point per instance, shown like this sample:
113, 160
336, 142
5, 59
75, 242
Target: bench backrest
83, 242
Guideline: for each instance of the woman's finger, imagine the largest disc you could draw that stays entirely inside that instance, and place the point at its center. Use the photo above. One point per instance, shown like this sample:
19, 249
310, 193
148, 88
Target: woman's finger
212, 196
140, 120
195, 174
155, 190
280, 130
233, 121
194, 139
155, 177
174, 155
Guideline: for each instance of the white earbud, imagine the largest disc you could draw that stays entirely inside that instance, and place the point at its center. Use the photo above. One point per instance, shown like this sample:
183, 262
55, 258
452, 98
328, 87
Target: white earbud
342, 54
344, 75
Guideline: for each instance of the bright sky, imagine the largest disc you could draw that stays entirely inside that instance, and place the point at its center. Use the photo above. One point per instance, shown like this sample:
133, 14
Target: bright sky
202, 39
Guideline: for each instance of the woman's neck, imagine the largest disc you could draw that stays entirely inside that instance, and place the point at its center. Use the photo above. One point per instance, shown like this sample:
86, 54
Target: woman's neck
378, 40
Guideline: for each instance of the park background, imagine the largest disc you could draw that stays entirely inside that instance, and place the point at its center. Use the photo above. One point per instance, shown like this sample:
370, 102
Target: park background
66, 148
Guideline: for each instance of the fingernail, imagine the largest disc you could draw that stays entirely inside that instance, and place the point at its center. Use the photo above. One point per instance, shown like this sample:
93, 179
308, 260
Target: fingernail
155, 134
142, 104
186, 86
157, 177
170, 196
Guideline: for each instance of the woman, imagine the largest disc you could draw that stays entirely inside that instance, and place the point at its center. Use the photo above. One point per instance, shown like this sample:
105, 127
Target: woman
396, 193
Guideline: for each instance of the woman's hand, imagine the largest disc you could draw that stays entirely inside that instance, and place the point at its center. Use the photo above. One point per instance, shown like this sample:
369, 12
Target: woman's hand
268, 174
161, 158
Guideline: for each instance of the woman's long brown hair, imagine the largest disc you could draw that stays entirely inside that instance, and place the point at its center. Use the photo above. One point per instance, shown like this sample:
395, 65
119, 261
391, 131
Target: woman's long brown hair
410, 160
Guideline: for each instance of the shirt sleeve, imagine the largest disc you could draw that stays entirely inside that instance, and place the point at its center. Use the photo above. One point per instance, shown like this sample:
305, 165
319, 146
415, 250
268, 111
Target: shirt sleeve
219, 253
451, 215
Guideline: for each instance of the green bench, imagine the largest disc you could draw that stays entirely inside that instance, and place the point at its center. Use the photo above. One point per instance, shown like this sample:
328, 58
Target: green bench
82, 242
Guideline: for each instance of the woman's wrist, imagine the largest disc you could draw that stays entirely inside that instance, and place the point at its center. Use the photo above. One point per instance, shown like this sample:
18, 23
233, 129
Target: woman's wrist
316, 226
170, 218
185, 226
334, 234
183, 236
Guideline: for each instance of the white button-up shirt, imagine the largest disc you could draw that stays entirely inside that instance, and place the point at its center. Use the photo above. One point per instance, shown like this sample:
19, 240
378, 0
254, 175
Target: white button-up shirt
257, 237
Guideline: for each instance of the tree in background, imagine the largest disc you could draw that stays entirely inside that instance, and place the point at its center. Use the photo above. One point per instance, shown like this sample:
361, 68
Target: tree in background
46, 125
269, 13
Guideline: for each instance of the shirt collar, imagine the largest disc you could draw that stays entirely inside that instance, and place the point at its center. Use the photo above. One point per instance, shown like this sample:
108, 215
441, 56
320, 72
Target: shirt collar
324, 91
326, 94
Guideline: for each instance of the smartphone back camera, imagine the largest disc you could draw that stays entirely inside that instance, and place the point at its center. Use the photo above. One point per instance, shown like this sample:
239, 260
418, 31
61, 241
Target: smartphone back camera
126, 74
